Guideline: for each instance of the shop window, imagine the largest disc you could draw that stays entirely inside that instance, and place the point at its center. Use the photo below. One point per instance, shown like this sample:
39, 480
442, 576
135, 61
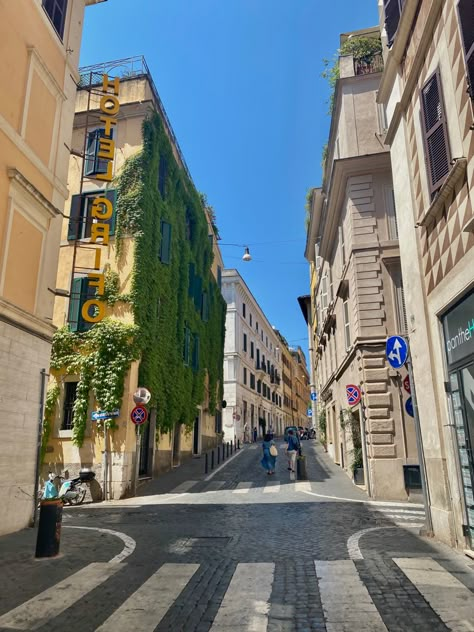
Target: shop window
165, 244
70, 396
435, 133
80, 215
56, 10
466, 23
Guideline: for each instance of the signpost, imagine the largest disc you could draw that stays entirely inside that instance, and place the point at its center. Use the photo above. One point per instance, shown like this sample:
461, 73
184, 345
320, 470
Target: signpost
309, 412
406, 384
99, 415
353, 394
139, 415
397, 351
314, 397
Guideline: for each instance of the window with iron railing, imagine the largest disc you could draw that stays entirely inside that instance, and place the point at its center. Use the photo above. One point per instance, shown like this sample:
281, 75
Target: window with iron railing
70, 396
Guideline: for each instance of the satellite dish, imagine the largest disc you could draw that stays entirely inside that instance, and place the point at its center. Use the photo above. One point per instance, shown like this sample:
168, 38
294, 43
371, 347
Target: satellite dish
142, 395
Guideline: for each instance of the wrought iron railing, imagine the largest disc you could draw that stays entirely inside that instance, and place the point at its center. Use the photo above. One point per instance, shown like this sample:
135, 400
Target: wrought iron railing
130, 68
368, 66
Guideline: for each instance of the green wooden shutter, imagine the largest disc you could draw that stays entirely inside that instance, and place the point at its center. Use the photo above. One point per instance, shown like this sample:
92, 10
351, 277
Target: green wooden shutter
196, 352
111, 194
74, 217
87, 292
187, 340
165, 248
75, 304
191, 280
197, 292
91, 152
205, 307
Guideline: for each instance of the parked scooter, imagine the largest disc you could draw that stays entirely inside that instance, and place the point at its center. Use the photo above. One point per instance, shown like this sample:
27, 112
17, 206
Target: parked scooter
71, 491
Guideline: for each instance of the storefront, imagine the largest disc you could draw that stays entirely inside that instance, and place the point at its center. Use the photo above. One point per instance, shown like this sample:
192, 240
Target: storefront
458, 328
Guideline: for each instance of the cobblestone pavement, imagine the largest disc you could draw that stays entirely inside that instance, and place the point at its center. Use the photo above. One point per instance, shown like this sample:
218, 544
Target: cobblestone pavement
240, 551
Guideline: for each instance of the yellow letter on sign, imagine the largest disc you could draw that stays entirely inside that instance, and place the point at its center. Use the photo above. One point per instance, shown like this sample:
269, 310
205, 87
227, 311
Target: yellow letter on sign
99, 308
102, 208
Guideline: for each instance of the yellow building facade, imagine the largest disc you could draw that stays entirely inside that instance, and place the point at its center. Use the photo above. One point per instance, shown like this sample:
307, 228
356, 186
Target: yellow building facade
40, 43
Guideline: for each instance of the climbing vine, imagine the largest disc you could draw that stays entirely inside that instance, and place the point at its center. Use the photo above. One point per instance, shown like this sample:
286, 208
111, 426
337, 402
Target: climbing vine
101, 358
322, 427
164, 304
52, 397
350, 422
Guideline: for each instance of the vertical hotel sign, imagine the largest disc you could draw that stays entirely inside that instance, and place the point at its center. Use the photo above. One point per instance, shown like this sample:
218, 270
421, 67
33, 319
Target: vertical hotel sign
93, 310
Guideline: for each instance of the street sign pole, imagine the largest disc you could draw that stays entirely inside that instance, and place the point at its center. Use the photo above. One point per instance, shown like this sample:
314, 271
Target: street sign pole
105, 464
363, 440
421, 453
137, 460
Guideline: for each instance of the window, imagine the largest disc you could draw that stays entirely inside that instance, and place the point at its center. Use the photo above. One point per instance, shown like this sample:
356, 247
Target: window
324, 296
245, 376
393, 10
70, 395
268, 367
330, 290
196, 344
80, 215
252, 381
245, 343
162, 173
191, 270
264, 389
190, 226
266, 341
466, 22
250, 318
56, 10
391, 214
205, 307
165, 244
186, 345
347, 323
435, 133
81, 292
198, 293
93, 164
261, 332
256, 326
258, 358
252, 350
317, 258
400, 307
243, 310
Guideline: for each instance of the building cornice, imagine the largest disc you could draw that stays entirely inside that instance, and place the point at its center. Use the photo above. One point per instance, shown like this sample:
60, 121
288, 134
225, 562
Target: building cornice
25, 321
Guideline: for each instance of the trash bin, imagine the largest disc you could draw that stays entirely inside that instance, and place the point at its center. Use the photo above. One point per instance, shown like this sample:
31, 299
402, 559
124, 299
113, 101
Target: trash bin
301, 474
49, 528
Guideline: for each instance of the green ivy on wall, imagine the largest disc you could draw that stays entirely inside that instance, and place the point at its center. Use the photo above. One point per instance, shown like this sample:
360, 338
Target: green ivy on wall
161, 298
52, 397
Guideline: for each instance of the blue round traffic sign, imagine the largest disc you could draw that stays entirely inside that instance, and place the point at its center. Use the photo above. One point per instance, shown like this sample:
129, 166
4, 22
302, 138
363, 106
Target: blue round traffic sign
397, 351
409, 407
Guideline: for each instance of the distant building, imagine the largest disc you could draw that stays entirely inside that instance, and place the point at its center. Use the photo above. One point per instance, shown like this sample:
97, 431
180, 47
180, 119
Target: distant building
252, 365
300, 388
139, 254
41, 43
427, 92
357, 293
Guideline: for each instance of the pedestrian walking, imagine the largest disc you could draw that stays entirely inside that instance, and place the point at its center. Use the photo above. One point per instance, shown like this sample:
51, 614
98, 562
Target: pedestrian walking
255, 434
292, 450
269, 454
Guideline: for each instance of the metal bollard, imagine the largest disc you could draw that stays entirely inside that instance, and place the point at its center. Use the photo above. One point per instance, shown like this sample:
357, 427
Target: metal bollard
218, 455
49, 528
223, 452
231, 447
227, 449
206, 464
212, 459
238, 444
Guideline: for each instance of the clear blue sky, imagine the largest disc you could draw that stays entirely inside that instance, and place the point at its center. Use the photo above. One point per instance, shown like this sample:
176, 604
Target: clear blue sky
240, 80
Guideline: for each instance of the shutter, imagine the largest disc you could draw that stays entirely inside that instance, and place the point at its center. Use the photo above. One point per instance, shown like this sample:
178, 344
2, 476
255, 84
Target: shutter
187, 335
87, 292
191, 280
435, 132
165, 246
196, 353
92, 148
466, 22
205, 307
74, 217
75, 304
111, 194
393, 9
197, 292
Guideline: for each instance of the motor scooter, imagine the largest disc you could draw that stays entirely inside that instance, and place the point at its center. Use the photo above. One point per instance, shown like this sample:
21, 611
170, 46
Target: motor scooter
71, 491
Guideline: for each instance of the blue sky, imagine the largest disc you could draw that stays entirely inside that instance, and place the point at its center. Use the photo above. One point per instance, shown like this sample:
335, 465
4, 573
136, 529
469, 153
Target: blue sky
240, 80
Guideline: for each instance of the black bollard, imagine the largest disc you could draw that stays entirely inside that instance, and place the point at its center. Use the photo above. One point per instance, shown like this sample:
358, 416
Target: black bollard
218, 455
206, 464
231, 447
49, 528
238, 444
223, 452
227, 449
212, 459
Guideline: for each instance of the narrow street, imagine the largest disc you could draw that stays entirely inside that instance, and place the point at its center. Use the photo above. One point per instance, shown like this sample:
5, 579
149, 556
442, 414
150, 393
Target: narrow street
239, 550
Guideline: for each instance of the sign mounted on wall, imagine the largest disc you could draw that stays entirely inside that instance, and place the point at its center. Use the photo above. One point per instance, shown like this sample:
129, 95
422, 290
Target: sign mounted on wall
353, 394
406, 384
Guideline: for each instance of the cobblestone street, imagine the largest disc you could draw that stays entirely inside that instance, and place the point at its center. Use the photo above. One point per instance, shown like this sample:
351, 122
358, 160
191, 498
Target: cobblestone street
240, 551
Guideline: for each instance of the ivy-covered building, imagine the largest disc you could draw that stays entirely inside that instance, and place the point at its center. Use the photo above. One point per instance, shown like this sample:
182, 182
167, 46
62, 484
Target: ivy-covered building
138, 292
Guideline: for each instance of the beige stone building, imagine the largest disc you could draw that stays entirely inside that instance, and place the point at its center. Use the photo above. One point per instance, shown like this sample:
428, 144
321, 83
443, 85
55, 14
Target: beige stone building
427, 90
137, 100
357, 299
41, 41
300, 388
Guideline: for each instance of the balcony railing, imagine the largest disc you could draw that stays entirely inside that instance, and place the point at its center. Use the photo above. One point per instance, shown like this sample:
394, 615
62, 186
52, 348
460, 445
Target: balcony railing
368, 66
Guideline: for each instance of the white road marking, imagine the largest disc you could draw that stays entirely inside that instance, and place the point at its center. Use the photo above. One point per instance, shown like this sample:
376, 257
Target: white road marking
448, 597
52, 602
184, 487
214, 486
302, 486
148, 605
271, 487
346, 601
246, 603
226, 462
129, 542
242, 488
369, 503
400, 511
353, 541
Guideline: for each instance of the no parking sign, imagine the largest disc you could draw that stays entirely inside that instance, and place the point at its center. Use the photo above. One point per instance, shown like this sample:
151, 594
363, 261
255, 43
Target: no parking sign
139, 415
353, 394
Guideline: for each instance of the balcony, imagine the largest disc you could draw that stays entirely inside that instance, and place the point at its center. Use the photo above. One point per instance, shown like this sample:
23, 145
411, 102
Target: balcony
260, 367
368, 65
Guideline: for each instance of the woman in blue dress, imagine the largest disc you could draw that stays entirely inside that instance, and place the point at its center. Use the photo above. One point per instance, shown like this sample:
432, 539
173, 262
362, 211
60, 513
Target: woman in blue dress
268, 461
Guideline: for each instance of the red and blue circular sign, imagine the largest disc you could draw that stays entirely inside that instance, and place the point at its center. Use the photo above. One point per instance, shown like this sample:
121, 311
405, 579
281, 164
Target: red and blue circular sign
139, 415
353, 394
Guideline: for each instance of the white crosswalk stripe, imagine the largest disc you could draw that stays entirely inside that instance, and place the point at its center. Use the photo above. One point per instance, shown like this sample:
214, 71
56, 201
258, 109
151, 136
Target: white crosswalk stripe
148, 605
449, 598
407, 516
242, 488
55, 600
346, 602
251, 585
272, 487
184, 487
